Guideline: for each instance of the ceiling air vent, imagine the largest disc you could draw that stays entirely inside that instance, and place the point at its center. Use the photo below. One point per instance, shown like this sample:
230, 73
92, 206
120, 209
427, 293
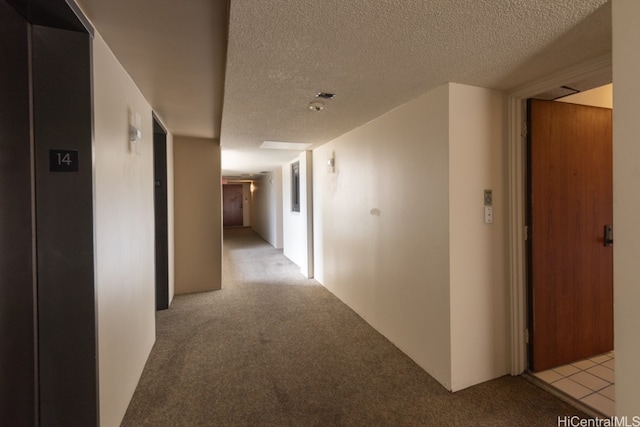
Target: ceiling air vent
325, 95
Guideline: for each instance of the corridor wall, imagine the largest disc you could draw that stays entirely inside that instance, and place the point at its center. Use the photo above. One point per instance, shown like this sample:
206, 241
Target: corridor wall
399, 233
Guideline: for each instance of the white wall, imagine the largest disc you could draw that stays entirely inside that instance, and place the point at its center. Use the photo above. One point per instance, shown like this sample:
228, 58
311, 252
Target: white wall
266, 208
295, 225
124, 235
399, 232
479, 292
382, 227
626, 203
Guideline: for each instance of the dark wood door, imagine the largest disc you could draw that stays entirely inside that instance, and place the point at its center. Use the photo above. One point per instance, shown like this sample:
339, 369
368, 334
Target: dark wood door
570, 203
161, 215
232, 215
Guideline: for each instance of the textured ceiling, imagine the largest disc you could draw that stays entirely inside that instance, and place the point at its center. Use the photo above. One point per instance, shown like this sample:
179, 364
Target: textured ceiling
374, 54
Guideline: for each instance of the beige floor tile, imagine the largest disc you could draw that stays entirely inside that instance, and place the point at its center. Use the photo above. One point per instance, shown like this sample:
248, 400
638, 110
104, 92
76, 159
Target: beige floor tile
603, 372
549, 376
609, 392
584, 364
600, 359
566, 370
572, 388
601, 403
591, 381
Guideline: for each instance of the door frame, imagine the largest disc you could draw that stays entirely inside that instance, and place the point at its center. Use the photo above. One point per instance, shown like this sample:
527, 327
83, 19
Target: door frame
161, 215
516, 191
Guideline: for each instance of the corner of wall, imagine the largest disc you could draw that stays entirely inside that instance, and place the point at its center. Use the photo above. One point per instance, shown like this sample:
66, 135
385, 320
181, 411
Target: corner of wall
197, 214
295, 225
124, 234
478, 285
170, 217
266, 208
626, 151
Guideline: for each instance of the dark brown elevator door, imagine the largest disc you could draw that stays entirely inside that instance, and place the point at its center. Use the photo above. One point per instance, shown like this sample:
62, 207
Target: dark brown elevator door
18, 352
570, 202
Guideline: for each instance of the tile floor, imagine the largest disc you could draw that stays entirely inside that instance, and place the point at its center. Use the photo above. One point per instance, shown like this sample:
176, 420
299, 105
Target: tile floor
591, 381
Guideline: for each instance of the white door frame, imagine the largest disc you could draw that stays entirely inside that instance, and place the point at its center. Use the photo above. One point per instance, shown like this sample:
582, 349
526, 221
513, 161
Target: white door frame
516, 181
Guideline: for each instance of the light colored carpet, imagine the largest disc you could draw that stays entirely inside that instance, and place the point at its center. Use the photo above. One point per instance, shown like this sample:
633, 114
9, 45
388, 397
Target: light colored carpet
275, 349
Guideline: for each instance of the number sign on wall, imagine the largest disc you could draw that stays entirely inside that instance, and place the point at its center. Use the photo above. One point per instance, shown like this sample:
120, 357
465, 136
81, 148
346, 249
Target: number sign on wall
63, 161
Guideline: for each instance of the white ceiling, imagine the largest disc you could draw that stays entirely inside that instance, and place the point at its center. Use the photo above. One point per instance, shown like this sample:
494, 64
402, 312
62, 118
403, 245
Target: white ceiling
374, 54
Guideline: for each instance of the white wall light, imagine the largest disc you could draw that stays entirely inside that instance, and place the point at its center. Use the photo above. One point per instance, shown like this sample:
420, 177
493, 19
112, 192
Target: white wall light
135, 134
332, 162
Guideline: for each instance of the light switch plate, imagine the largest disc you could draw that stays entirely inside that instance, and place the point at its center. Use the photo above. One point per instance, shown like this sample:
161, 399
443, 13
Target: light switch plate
488, 214
488, 197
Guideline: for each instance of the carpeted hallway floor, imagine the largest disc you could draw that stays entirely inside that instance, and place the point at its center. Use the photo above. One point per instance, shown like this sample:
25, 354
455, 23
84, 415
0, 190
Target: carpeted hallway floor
275, 349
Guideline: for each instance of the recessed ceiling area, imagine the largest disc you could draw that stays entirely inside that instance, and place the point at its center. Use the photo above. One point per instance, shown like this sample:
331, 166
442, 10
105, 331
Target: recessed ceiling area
175, 53
277, 56
578, 86
281, 145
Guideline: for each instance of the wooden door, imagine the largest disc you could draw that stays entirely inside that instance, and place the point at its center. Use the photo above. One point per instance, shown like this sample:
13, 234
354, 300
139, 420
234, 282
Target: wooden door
161, 214
570, 203
232, 215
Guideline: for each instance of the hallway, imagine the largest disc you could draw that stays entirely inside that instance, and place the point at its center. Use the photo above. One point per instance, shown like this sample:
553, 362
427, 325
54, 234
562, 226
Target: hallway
273, 348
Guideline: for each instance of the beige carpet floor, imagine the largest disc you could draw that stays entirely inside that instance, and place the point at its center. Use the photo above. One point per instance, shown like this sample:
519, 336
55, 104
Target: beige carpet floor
275, 349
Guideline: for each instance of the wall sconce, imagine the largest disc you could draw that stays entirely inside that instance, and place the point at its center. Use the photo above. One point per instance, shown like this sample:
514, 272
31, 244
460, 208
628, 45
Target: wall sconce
332, 162
135, 134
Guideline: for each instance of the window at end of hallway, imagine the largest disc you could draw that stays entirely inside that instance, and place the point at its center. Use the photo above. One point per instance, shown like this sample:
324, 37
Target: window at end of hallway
295, 187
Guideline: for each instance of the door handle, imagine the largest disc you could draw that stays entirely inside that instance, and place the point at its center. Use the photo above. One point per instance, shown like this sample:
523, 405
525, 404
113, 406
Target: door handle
608, 235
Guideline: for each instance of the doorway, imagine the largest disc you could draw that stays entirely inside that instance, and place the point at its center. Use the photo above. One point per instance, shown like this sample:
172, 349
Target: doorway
570, 263
232, 206
570, 215
595, 70
161, 214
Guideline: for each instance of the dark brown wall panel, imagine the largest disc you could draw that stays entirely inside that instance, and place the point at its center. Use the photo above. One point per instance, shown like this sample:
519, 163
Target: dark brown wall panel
64, 228
17, 334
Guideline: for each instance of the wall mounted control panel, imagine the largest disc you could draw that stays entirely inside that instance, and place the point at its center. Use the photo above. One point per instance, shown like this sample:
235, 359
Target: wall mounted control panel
488, 207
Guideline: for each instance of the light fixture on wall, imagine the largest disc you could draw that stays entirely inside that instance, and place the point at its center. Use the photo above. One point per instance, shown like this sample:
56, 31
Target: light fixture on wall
332, 162
135, 134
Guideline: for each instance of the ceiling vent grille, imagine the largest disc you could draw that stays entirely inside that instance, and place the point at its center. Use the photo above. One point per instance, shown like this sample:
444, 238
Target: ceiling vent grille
325, 95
